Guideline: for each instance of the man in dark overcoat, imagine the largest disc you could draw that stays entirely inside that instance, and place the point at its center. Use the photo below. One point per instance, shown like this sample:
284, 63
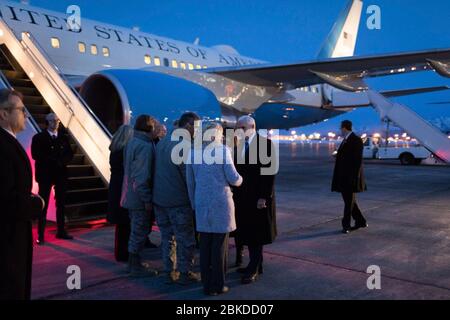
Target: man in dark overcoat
348, 177
257, 163
16, 247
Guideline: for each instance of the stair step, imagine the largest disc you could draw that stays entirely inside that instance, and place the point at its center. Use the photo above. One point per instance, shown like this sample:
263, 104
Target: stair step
27, 91
86, 195
78, 159
32, 99
14, 74
86, 209
85, 182
4, 65
21, 83
38, 109
80, 170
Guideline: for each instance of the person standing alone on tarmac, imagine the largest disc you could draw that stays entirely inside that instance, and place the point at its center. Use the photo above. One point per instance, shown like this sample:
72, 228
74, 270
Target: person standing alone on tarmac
52, 152
348, 176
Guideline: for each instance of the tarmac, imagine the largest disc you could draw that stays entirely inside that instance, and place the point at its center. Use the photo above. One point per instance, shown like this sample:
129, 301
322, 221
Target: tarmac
408, 238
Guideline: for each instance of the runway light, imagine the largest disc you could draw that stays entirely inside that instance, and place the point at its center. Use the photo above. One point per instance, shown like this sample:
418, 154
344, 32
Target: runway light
449, 137
311, 136
364, 135
331, 134
377, 135
271, 131
293, 132
404, 135
316, 135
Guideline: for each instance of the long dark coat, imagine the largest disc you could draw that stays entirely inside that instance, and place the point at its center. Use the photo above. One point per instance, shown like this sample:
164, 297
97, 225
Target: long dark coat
116, 214
16, 243
255, 226
348, 173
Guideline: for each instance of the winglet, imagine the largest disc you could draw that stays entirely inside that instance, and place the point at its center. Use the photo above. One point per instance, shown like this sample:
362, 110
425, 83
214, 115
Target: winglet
341, 41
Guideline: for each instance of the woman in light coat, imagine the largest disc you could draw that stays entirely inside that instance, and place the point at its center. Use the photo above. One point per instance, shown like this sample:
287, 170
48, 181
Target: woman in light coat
209, 176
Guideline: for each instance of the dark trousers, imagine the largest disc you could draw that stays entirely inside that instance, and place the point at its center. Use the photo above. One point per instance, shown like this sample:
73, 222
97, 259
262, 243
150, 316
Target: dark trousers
213, 260
239, 250
256, 259
121, 241
351, 209
60, 197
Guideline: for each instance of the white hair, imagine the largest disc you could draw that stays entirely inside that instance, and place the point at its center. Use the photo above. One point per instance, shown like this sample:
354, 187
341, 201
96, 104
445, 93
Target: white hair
247, 120
50, 116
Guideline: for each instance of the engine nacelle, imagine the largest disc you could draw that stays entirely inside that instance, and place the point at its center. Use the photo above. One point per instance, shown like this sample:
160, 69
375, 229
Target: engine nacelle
119, 96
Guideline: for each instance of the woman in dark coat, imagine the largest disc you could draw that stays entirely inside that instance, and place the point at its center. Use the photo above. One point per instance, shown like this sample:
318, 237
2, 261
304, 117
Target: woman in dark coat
116, 214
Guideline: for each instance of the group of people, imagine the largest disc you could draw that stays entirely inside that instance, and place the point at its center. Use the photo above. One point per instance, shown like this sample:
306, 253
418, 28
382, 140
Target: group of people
212, 199
215, 200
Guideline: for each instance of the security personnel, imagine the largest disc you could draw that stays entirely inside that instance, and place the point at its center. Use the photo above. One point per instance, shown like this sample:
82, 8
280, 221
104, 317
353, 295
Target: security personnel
52, 152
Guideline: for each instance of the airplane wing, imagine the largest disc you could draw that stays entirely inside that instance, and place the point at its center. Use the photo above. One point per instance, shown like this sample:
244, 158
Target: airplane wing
344, 73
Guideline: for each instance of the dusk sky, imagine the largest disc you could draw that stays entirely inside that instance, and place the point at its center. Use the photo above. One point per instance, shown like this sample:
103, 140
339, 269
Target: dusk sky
287, 31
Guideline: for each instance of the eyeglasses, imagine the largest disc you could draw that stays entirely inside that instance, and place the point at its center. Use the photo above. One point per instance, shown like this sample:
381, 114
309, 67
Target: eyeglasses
23, 109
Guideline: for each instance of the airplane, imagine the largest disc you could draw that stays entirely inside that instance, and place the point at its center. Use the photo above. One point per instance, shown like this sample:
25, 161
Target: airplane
123, 72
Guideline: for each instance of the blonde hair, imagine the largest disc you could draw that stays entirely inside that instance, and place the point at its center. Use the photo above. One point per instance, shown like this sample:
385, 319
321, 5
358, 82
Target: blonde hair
121, 138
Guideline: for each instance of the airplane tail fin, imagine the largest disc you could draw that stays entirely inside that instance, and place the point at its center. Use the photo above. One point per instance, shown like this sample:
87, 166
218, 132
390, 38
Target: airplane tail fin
341, 41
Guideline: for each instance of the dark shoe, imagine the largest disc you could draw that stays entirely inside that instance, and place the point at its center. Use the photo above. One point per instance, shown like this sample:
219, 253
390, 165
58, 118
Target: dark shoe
357, 226
245, 270
188, 278
249, 278
64, 236
139, 270
225, 289
345, 231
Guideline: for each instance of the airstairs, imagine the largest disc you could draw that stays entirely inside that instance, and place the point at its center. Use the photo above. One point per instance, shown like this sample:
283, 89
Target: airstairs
25, 67
428, 135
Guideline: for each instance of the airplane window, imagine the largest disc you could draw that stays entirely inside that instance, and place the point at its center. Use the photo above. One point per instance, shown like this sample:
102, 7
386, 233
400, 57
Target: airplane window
166, 62
81, 47
94, 49
147, 59
191, 66
183, 65
106, 51
55, 43
174, 64
157, 61
198, 66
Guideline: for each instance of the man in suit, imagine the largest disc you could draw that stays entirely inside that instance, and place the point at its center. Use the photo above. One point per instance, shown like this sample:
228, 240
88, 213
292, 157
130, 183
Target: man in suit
255, 198
16, 250
348, 177
52, 152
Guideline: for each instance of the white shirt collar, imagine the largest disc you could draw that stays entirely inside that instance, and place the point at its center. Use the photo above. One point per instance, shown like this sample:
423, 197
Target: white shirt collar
10, 132
348, 134
52, 133
250, 139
